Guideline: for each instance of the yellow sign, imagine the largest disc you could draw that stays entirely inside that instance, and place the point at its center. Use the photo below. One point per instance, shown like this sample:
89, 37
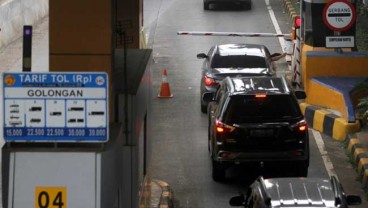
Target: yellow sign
9, 80
50, 197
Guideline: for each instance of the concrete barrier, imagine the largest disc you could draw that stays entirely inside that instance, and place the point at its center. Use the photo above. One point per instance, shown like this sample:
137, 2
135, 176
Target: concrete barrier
16, 13
328, 123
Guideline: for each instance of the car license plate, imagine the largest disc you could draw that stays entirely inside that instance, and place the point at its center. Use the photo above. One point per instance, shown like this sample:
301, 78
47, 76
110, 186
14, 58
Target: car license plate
261, 132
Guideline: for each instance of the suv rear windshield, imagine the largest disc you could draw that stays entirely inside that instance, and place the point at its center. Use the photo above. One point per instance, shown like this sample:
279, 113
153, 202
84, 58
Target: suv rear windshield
248, 108
240, 61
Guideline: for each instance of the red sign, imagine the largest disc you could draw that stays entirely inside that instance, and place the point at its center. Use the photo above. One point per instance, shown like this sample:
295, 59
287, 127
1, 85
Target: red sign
339, 15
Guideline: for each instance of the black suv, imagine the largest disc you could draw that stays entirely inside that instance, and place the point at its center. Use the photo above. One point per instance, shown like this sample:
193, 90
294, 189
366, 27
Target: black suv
257, 120
295, 192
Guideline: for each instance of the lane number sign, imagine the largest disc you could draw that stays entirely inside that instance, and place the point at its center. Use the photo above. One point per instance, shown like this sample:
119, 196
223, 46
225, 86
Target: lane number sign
50, 197
339, 15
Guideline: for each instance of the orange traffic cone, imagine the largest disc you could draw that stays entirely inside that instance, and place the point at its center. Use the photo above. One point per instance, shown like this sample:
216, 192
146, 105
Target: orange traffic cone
165, 87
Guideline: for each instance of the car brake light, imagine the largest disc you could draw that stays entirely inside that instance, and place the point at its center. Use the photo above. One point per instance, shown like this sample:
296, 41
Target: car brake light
301, 126
223, 128
209, 81
261, 95
220, 129
297, 153
228, 155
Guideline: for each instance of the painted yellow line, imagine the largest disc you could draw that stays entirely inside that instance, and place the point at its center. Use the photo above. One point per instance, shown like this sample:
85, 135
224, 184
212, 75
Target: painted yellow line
303, 107
342, 128
362, 161
318, 119
365, 178
352, 142
357, 152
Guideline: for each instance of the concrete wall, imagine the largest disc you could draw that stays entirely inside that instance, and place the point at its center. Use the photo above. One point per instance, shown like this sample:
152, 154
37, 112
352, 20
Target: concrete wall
16, 13
329, 74
317, 63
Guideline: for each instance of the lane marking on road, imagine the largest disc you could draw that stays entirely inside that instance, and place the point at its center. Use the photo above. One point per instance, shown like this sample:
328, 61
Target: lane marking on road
275, 24
326, 159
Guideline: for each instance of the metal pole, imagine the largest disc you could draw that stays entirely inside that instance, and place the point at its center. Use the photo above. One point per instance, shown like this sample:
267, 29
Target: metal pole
338, 50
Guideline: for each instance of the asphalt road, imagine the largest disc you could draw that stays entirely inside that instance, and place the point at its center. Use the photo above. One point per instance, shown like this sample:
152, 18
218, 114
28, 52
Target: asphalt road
179, 154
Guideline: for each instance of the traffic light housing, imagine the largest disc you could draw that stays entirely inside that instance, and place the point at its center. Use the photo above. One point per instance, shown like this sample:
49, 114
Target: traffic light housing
27, 48
296, 26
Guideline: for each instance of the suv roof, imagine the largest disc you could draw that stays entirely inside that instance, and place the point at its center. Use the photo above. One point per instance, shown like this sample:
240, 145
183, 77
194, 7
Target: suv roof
303, 192
263, 95
299, 191
253, 85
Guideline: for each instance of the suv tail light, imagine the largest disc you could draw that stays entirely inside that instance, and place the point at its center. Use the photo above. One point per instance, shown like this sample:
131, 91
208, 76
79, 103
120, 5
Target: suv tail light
208, 81
260, 95
222, 128
300, 126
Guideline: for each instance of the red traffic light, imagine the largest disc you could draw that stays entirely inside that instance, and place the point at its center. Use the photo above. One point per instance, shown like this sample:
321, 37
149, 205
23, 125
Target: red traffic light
297, 21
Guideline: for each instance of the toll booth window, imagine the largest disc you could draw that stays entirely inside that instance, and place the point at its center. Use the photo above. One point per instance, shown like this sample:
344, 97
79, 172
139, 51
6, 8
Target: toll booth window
314, 30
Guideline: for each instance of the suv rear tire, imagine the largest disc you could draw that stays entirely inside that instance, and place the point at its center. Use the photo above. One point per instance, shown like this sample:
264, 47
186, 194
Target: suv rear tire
203, 108
218, 171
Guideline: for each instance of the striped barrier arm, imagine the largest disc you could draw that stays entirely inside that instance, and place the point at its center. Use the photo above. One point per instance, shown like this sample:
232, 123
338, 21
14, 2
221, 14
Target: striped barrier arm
233, 34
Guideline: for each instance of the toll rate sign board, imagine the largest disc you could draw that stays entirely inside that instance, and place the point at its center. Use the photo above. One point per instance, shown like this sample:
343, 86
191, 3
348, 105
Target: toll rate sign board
55, 107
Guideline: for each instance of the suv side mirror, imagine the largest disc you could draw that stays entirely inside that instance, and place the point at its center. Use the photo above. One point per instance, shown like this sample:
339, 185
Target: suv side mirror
201, 56
237, 201
208, 96
300, 94
353, 200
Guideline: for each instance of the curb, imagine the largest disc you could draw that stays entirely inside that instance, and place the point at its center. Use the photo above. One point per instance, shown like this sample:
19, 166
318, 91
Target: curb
359, 157
328, 123
339, 129
289, 8
161, 194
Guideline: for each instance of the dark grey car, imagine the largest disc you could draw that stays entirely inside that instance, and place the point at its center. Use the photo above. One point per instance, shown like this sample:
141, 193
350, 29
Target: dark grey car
233, 60
295, 192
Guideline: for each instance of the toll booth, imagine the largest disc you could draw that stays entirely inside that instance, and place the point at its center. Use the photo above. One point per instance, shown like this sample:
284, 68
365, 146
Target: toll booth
331, 66
314, 29
80, 159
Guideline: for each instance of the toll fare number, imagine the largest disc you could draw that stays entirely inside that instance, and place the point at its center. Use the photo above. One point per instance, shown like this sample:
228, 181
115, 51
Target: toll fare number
35, 132
55, 132
76, 132
13, 132
98, 132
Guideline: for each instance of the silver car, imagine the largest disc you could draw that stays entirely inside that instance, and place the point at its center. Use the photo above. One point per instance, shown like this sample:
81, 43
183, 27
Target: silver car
294, 193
